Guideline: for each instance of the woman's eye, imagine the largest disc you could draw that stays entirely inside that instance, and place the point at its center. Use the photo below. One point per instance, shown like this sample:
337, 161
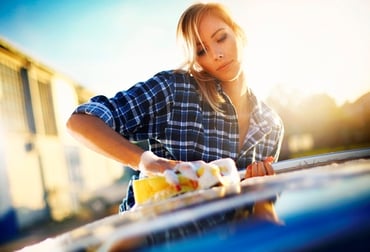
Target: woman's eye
222, 38
201, 52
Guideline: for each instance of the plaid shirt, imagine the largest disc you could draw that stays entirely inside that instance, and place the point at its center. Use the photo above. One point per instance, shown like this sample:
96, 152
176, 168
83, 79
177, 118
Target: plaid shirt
168, 114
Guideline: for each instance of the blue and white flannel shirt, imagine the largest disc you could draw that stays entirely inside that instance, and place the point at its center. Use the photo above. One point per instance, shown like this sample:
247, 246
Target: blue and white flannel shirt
168, 112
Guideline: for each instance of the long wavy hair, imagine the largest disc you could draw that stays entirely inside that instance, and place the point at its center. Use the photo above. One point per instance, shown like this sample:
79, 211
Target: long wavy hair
187, 32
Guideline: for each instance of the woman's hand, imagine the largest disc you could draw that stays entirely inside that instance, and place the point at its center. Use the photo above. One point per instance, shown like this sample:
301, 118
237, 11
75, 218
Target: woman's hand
260, 168
150, 164
264, 210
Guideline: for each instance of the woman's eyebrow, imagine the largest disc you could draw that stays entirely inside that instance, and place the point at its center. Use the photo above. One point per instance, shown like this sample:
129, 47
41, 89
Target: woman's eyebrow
218, 30
213, 34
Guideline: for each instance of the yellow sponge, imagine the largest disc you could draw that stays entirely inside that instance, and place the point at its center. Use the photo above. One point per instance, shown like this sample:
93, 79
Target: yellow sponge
156, 188
199, 175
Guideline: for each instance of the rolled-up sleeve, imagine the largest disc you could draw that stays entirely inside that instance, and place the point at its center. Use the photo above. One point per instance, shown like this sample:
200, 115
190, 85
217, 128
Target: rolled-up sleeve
134, 112
96, 109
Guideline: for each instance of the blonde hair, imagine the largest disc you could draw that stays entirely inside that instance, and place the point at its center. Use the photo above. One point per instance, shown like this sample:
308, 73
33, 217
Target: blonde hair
187, 31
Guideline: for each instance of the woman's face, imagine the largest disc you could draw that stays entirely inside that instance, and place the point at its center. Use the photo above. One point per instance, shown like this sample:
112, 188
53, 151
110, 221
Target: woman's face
220, 55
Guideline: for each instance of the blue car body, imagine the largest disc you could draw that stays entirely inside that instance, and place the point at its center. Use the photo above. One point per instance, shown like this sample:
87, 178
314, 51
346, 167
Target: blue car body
322, 203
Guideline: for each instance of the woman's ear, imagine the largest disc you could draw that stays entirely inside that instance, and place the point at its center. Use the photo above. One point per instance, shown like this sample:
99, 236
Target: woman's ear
197, 67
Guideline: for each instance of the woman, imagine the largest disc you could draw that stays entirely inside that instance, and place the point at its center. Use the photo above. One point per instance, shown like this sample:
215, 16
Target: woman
205, 111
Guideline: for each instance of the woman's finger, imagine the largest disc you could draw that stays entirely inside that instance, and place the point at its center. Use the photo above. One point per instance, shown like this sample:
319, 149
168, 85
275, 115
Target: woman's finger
269, 169
260, 169
248, 172
254, 169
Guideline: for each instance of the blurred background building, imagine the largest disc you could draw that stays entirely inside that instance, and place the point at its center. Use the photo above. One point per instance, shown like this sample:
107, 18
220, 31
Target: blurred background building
43, 171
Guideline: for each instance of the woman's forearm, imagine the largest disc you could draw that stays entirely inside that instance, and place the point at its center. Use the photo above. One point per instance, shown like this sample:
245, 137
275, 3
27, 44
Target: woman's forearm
98, 136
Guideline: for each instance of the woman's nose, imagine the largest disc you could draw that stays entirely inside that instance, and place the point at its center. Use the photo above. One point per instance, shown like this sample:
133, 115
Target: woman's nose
217, 54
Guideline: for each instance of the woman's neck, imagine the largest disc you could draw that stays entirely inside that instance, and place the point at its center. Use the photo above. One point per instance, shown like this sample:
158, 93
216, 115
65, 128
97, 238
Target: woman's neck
238, 93
236, 90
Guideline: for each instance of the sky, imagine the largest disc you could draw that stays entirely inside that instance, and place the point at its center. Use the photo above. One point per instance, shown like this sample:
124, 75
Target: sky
307, 46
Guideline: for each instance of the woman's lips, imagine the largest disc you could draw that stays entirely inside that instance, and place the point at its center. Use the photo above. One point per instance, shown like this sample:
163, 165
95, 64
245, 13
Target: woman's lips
224, 66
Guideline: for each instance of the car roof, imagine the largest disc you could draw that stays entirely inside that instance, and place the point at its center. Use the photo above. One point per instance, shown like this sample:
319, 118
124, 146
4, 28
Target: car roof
322, 201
